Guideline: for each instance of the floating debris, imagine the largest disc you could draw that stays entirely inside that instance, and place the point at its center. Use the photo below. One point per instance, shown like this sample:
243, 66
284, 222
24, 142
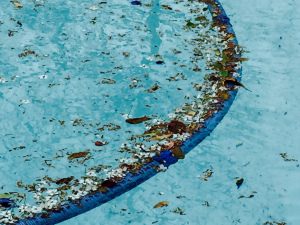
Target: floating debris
206, 203
239, 182
274, 223
100, 143
249, 196
179, 211
161, 204
17, 4
27, 52
78, 155
137, 120
154, 88
206, 174
136, 3
108, 81
286, 158
177, 127
66, 180
201, 102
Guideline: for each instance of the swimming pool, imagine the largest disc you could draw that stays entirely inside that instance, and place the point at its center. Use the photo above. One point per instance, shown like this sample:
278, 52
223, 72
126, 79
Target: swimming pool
202, 188
259, 126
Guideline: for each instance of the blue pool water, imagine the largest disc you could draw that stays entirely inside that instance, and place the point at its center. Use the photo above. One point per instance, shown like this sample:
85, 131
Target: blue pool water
247, 143
258, 140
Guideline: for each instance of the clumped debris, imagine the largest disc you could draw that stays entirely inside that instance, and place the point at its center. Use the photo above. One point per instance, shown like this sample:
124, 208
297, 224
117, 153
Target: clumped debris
179, 211
206, 174
17, 4
206, 203
286, 158
27, 52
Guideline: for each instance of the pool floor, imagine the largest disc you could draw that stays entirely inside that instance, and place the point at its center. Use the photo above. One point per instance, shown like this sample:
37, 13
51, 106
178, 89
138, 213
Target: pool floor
250, 143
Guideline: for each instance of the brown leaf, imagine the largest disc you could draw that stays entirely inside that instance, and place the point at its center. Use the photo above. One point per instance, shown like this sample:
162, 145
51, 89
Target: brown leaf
166, 7
77, 155
223, 95
102, 189
137, 120
154, 88
243, 59
108, 183
177, 152
161, 204
177, 127
100, 143
232, 82
66, 180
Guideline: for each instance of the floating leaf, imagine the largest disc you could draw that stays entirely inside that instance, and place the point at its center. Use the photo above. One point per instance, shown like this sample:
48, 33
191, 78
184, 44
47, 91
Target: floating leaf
159, 62
239, 182
166, 7
223, 95
177, 152
108, 183
190, 24
177, 127
159, 137
161, 204
100, 143
137, 120
66, 180
154, 88
224, 73
136, 3
108, 81
77, 155
243, 59
232, 82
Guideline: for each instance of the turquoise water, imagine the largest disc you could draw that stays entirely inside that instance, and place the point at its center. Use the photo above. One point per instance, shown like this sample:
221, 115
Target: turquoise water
247, 144
260, 125
71, 77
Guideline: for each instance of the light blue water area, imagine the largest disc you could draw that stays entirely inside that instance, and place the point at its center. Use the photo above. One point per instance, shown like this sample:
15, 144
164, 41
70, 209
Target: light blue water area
72, 73
93, 63
62, 82
260, 126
